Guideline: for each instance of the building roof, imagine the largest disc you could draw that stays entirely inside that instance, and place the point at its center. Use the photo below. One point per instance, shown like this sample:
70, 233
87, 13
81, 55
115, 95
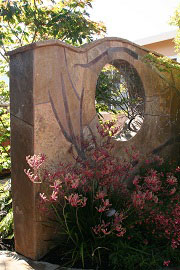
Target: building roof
156, 38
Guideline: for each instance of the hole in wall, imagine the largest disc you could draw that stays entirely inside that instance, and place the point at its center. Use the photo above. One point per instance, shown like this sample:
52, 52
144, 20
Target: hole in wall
120, 95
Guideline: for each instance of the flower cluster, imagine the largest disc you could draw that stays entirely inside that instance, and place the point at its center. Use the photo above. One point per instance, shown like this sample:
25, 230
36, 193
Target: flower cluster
92, 194
35, 162
115, 227
76, 200
157, 200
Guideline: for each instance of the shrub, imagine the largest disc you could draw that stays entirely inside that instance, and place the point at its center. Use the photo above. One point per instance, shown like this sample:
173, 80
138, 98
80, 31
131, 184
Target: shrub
4, 127
5, 162
105, 224
6, 214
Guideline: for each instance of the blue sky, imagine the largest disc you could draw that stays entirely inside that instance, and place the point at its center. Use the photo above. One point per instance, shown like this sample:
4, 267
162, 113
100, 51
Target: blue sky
134, 19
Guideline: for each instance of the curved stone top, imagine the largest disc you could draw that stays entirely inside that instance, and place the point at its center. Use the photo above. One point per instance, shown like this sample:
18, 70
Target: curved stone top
81, 49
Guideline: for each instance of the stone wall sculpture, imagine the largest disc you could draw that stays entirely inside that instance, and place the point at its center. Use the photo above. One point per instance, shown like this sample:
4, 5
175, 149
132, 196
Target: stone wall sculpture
52, 88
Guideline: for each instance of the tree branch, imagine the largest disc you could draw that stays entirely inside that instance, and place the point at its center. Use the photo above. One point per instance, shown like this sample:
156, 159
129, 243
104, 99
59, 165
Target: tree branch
5, 57
14, 32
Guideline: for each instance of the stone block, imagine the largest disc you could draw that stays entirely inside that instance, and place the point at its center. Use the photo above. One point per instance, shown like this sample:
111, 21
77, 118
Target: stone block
53, 105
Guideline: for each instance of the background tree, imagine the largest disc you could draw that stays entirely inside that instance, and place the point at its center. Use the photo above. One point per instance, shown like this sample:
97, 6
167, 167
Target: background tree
119, 92
113, 95
26, 21
108, 90
175, 20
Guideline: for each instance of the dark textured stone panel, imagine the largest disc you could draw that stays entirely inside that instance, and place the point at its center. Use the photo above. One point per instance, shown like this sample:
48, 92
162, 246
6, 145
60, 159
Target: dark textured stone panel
22, 188
21, 86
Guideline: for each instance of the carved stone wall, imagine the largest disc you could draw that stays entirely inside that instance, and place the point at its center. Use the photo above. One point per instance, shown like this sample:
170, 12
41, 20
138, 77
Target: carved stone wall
52, 88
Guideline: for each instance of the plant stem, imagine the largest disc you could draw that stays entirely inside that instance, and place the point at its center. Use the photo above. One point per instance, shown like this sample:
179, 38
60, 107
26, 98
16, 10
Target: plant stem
65, 221
77, 221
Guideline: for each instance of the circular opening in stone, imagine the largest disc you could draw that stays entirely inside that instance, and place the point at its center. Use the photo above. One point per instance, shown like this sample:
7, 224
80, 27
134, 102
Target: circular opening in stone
120, 96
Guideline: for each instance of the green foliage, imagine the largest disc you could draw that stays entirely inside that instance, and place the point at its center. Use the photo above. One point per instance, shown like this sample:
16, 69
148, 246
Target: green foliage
27, 21
175, 20
4, 93
5, 161
164, 65
113, 94
80, 246
139, 256
109, 89
6, 214
4, 127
